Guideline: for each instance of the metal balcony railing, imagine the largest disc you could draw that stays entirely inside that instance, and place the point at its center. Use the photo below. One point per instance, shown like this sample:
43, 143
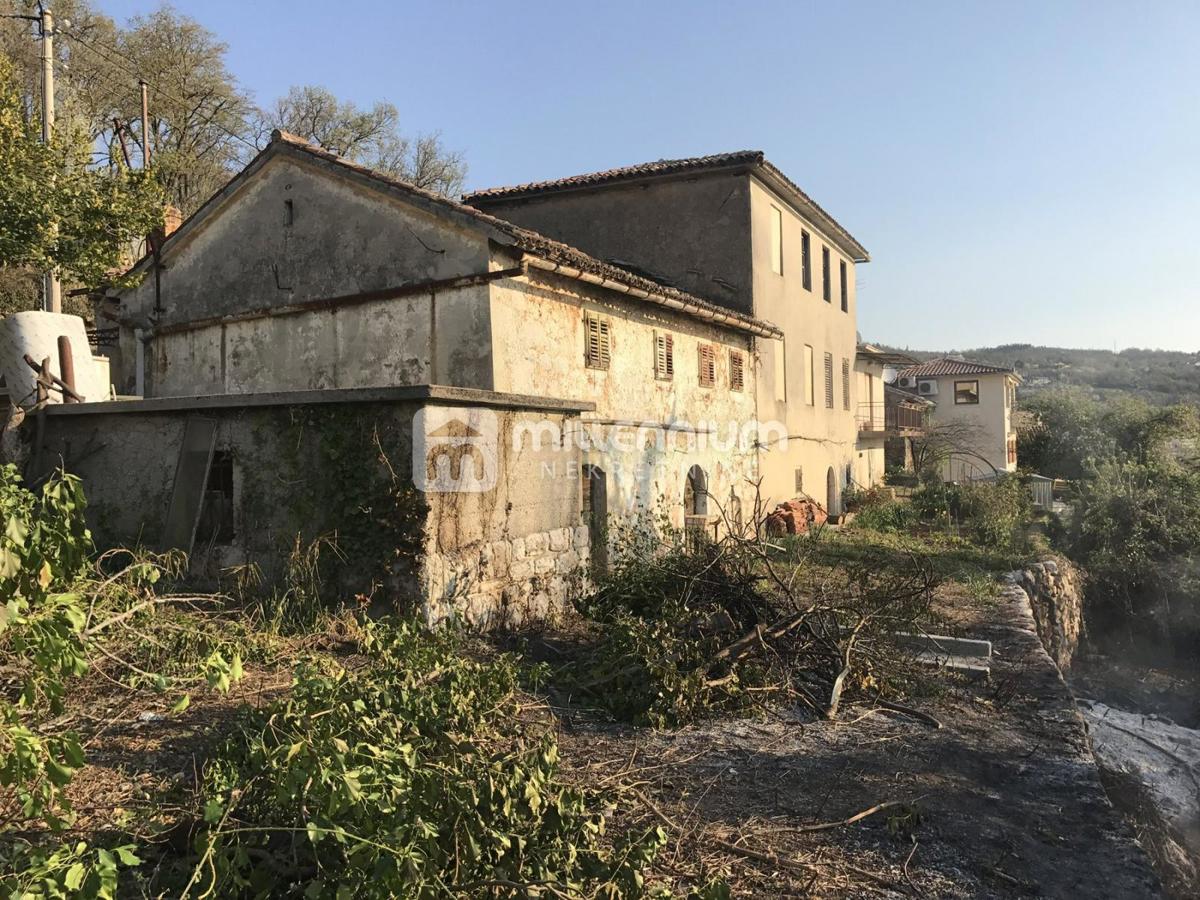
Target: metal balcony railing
890, 417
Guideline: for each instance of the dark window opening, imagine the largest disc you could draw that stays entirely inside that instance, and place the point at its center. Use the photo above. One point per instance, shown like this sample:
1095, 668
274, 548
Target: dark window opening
805, 262
289, 212
826, 276
216, 511
844, 286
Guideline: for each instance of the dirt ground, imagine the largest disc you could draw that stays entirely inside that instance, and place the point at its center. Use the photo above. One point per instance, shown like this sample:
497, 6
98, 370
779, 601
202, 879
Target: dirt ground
1004, 800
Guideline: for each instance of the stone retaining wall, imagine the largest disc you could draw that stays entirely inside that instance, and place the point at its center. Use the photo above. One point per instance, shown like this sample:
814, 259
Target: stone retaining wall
1055, 591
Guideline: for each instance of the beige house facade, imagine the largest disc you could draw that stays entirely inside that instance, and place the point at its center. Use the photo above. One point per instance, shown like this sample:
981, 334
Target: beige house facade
972, 414
734, 230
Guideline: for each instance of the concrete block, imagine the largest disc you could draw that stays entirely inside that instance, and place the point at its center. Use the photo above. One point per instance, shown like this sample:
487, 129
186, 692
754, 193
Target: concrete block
943, 645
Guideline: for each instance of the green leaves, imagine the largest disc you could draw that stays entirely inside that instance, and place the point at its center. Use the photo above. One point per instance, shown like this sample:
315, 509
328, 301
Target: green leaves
59, 211
405, 785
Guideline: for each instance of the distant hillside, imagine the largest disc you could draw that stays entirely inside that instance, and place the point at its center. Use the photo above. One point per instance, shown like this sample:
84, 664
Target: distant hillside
1159, 376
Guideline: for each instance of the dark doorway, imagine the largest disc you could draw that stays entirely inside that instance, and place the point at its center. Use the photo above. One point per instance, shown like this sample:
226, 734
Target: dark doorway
595, 514
695, 493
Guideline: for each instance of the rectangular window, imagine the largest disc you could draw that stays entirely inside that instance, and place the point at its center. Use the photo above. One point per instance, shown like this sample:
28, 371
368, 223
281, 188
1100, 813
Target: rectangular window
1012, 450
664, 356
707, 365
844, 287
810, 376
779, 373
845, 383
737, 371
805, 262
826, 276
799, 480
597, 351
966, 392
829, 381
776, 240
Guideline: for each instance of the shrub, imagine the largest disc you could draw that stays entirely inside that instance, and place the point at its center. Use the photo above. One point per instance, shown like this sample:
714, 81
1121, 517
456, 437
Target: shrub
408, 775
991, 513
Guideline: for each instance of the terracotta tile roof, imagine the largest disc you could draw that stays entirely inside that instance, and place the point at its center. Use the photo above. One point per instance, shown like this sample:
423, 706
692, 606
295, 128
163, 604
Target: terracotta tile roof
947, 366
754, 159
522, 238
624, 173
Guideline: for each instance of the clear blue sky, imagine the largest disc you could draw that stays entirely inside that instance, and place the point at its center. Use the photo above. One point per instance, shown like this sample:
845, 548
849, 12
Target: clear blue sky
1020, 171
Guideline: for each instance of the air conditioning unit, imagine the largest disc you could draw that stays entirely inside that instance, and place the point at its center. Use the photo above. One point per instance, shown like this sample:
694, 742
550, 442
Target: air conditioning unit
908, 381
927, 388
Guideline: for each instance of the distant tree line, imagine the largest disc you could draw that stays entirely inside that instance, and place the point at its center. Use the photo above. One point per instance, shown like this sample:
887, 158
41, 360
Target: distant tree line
203, 125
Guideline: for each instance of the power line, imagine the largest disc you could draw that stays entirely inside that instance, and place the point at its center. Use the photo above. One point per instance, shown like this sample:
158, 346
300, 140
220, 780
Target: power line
126, 68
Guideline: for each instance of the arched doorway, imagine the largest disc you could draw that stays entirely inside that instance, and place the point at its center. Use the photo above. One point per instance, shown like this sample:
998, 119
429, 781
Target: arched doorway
695, 493
833, 496
594, 482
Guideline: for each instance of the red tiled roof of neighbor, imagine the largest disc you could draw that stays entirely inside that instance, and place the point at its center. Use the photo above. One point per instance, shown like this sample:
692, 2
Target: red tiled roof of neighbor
945, 366
523, 239
666, 167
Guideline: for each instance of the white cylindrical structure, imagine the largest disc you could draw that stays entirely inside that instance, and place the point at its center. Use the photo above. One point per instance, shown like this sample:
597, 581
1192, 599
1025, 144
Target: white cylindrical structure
37, 333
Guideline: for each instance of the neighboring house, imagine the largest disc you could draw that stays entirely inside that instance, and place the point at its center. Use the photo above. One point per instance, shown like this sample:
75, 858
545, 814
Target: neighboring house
972, 417
734, 230
888, 418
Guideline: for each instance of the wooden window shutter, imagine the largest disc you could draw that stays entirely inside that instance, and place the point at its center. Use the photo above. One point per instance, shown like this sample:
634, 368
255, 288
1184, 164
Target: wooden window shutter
829, 381
597, 351
664, 356
737, 372
707, 365
845, 383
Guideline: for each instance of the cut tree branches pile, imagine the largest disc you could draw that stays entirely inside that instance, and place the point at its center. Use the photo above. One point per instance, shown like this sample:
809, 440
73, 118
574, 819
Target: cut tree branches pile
682, 626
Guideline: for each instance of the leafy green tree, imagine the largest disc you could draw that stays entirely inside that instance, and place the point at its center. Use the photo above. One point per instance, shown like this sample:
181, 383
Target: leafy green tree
57, 210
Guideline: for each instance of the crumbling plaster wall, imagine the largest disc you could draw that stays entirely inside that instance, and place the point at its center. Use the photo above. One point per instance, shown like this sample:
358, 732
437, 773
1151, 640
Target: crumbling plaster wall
510, 553
517, 551
292, 234
689, 231
538, 340
441, 336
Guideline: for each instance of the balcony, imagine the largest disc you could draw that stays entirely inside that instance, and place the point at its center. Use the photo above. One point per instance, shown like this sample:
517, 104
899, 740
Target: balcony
892, 419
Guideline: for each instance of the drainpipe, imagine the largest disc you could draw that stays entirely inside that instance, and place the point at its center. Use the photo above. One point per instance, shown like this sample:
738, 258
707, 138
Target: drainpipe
139, 362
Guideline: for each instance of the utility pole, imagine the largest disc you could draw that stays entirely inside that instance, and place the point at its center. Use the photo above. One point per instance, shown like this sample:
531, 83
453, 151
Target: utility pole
145, 123
52, 293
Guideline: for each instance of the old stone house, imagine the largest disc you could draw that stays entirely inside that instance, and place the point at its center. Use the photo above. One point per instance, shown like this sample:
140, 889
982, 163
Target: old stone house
734, 230
319, 338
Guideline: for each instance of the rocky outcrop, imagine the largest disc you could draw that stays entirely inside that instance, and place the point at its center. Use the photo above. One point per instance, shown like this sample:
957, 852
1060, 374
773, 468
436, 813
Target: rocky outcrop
1055, 591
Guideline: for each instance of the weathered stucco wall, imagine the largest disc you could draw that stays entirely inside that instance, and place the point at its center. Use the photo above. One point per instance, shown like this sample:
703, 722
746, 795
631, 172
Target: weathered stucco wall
345, 470
293, 235
689, 232
646, 432
822, 439
439, 336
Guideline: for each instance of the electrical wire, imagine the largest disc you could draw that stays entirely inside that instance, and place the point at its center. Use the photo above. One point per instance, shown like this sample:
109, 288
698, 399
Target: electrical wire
132, 71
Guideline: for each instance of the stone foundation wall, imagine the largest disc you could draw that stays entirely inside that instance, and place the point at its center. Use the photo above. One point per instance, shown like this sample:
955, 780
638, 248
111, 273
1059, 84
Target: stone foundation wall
508, 582
1055, 591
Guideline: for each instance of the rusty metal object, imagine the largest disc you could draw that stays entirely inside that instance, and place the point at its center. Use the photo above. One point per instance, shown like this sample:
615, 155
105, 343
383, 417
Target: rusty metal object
66, 365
